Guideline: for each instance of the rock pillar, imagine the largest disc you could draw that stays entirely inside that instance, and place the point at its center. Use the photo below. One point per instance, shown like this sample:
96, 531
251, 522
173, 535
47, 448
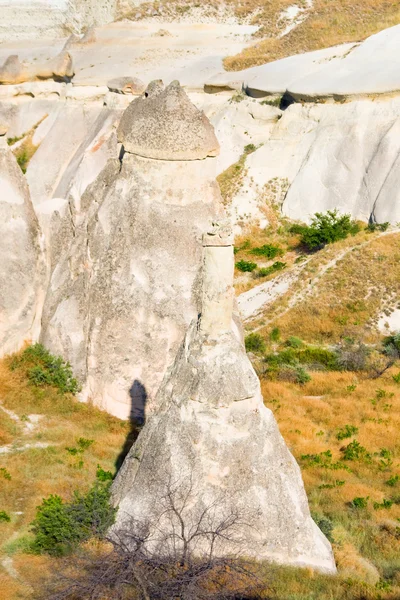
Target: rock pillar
218, 293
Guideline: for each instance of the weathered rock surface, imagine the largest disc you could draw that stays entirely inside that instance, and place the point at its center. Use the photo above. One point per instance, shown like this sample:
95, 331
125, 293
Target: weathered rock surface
126, 85
14, 71
321, 157
163, 124
22, 270
213, 441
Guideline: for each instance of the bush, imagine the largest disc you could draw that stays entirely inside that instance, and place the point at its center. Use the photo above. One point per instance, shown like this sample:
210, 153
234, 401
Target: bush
4, 517
275, 334
315, 358
254, 342
325, 525
354, 451
277, 266
326, 228
245, 266
352, 356
393, 481
267, 251
294, 342
42, 368
359, 502
59, 527
292, 373
372, 227
346, 432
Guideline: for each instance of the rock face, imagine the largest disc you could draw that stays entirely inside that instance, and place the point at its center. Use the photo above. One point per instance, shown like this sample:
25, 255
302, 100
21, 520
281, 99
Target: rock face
126, 85
163, 124
14, 71
125, 271
214, 440
323, 157
47, 18
22, 270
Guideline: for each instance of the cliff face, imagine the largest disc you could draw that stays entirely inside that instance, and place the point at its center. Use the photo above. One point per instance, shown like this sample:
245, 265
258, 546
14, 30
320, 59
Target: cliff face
22, 267
53, 18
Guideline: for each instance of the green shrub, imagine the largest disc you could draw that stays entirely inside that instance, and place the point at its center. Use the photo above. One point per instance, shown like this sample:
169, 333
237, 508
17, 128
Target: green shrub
331, 486
42, 369
311, 356
267, 251
245, 266
4, 473
292, 373
346, 432
360, 502
294, 342
393, 481
277, 266
60, 526
4, 517
275, 334
372, 227
326, 228
396, 378
82, 444
103, 475
385, 504
323, 460
354, 451
325, 525
254, 342
250, 148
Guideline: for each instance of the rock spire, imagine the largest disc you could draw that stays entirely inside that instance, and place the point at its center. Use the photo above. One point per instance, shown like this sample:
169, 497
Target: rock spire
214, 441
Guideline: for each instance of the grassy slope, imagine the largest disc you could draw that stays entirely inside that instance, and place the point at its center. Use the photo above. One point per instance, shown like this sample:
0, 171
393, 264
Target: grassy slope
38, 472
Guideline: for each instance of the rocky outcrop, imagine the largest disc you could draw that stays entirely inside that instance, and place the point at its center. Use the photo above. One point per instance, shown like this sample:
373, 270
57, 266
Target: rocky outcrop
321, 157
163, 124
22, 269
213, 440
125, 274
14, 71
126, 85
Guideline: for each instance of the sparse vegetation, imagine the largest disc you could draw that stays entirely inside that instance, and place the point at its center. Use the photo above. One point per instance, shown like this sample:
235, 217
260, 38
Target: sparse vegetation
255, 343
42, 368
246, 266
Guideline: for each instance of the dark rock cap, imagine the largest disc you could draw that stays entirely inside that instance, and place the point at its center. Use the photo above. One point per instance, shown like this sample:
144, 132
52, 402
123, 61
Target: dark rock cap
164, 124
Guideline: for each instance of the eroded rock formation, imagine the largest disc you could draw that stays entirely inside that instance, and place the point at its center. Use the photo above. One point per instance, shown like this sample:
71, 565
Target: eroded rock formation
14, 71
22, 268
179, 132
125, 274
213, 439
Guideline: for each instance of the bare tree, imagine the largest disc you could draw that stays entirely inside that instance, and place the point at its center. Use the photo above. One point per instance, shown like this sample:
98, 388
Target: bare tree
173, 555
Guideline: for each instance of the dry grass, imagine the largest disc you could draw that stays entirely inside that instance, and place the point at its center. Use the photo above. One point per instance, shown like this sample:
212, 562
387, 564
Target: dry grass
344, 300
309, 416
41, 471
330, 22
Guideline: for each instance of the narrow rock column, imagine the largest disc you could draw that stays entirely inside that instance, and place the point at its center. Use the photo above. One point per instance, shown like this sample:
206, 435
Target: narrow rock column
218, 267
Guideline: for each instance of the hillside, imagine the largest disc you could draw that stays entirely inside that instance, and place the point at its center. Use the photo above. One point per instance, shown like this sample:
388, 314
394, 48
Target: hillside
286, 27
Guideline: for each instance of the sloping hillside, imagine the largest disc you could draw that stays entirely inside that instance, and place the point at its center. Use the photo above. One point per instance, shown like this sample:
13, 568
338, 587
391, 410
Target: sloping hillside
286, 27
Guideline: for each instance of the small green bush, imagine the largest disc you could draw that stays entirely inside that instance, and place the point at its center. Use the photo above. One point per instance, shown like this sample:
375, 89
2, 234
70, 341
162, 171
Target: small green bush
293, 373
360, 502
254, 342
60, 526
325, 525
245, 266
313, 357
393, 481
396, 378
294, 342
372, 227
267, 251
385, 504
354, 451
4, 517
277, 266
275, 334
42, 369
346, 432
326, 228
250, 148
323, 460
5, 473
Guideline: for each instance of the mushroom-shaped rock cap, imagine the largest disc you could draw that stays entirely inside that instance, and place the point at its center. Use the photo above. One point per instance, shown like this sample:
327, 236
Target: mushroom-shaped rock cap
164, 124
